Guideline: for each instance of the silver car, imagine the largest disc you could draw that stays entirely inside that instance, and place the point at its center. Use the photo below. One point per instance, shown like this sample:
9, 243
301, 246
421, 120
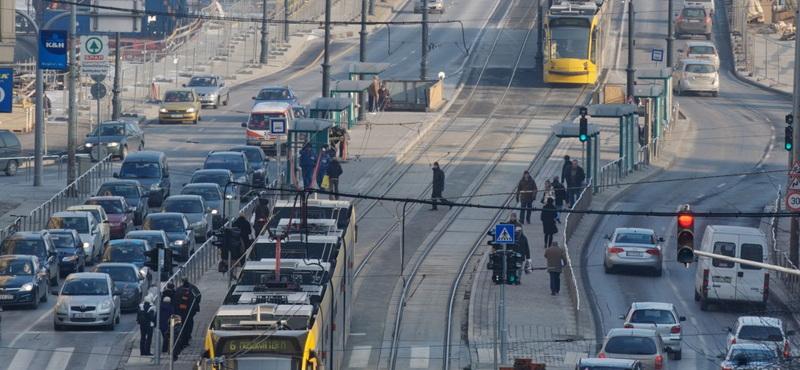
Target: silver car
695, 75
211, 89
87, 299
212, 194
661, 317
635, 344
703, 50
86, 225
750, 356
196, 210
433, 6
639, 248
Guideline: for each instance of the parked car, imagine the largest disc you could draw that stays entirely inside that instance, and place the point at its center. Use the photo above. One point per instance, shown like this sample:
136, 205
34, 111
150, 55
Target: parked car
87, 299
433, 6
196, 210
635, 344
693, 20
119, 137
100, 216
134, 193
237, 163
211, 88
151, 169
694, 75
154, 237
632, 247
258, 162
180, 106
129, 280
129, 251
607, 364
212, 194
71, 256
34, 243
750, 356
661, 317
10, 148
176, 225
702, 50
85, 225
767, 331
23, 280
120, 214
283, 94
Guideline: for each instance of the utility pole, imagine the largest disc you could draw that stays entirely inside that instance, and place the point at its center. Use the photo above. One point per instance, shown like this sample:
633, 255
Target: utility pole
630, 69
794, 239
363, 32
286, 21
39, 113
670, 33
72, 106
423, 68
372, 7
264, 34
326, 63
115, 99
539, 48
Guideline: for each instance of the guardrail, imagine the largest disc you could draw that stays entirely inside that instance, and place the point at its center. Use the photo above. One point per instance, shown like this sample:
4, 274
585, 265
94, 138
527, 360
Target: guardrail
610, 174
780, 257
652, 150
571, 222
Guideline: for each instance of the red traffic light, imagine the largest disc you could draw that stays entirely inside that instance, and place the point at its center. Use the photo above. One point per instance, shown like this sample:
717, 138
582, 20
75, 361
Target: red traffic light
685, 220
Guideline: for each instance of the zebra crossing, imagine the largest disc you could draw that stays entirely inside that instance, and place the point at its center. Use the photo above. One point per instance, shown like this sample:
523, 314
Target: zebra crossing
63, 358
413, 357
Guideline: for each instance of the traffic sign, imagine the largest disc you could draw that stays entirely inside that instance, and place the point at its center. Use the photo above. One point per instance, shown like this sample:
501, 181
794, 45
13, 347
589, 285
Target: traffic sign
6, 88
795, 170
98, 91
794, 184
52, 49
504, 233
793, 201
277, 126
94, 55
99, 78
657, 55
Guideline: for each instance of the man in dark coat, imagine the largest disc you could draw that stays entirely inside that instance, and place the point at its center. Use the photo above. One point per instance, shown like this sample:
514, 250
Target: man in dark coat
526, 193
556, 259
438, 187
334, 171
165, 311
245, 230
169, 291
565, 170
548, 218
523, 248
308, 159
575, 182
188, 305
560, 195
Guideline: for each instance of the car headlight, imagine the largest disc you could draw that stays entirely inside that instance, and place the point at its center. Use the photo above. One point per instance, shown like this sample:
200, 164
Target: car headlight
89, 145
143, 271
190, 110
113, 145
127, 291
197, 224
106, 304
154, 187
27, 287
178, 242
68, 259
86, 245
228, 196
211, 95
61, 305
163, 110
214, 211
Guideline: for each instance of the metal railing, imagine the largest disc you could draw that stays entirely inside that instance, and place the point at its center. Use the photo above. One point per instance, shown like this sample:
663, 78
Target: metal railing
610, 174
651, 151
780, 257
571, 223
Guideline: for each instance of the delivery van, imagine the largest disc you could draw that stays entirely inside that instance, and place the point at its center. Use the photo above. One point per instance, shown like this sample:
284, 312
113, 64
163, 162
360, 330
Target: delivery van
718, 281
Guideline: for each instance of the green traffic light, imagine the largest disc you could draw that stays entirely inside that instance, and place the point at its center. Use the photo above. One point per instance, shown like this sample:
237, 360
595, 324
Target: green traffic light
788, 146
583, 137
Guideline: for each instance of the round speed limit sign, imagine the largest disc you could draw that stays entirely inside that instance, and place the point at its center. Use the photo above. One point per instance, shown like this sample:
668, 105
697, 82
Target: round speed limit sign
793, 201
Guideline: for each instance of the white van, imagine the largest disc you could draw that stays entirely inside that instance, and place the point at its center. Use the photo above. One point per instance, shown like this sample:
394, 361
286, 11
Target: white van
721, 281
708, 4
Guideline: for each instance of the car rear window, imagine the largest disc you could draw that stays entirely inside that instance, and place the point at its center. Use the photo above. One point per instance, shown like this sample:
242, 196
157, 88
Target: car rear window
700, 68
701, 50
183, 206
759, 333
694, 13
725, 249
207, 193
79, 224
629, 345
62, 240
652, 317
752, 252
635, 238
225, 162
110, 206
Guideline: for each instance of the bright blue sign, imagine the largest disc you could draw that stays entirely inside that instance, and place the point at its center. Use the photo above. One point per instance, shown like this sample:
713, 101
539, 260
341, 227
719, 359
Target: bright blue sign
657, 55
504, 234
277, 126
53, 49
6, 90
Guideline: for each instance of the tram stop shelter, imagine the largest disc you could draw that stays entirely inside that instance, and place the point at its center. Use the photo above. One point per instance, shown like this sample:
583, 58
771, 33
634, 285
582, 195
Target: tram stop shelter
662, 76
626, 113
363, 71
571, 129
655, 93
301, 131
340, 110
355, 90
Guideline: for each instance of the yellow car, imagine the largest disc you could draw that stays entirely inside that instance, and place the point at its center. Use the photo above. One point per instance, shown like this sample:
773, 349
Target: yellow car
180, 106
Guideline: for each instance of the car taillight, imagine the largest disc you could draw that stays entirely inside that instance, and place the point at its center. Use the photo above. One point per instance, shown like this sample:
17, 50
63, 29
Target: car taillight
786, 348
659, 362
675, 329
766, 286
727, 367
616, 250
628, 326
653, 252
601, 355
688, 50
680, 18
733, 341
705, 283
708, 19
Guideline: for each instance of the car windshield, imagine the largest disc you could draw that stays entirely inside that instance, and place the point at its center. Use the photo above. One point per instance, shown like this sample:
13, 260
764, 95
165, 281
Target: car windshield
634, 238
700, 68
742, 355
109, 130
126, 191
135, 170
178, 96
124, 253
219, 179
166, 224
118, 273
63, 240
273, 94
202, 81
85, 287
150, 239
80, 224
208, 194
15, 267
759, 333
701, 50
260, 121
110, 206
183, 206
629, 345
652, 317
225, 162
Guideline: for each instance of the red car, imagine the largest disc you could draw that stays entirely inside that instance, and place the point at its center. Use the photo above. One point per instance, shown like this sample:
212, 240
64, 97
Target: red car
120, 214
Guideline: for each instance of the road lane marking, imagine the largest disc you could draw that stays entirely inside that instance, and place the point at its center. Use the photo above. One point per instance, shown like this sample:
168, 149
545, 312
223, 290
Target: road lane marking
22, 359
47, 313
60, 358
359, 357
721, 185
98, 358
700, 196
419, 357
358, 334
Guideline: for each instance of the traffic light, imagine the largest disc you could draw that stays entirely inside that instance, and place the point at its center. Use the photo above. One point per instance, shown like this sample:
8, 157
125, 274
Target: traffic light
151, 259
686, 235
788, 138
584, 129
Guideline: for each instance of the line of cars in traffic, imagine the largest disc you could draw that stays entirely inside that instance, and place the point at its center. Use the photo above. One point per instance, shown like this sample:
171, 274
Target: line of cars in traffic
697, 67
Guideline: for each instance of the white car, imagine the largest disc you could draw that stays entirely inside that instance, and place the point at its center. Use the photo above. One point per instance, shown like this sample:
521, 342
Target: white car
695, 75
762, 330
100, 216
658, 316
433, 6
633, 247
751, 356
702, 50
84, 223
87, 299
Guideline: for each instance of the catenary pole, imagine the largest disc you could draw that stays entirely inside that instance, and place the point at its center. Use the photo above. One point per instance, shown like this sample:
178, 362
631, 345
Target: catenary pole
326, 63
264, 34
423, 69
630, 70
794, 238
670, 33
72, 106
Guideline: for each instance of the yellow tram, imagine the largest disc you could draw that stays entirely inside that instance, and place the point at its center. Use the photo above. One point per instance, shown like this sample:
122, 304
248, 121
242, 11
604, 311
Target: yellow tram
575, 32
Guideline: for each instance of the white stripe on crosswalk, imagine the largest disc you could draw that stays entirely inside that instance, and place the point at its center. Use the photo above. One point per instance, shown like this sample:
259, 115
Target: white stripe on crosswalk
359, 357
22, 360
419, 357
60, 358
98, 358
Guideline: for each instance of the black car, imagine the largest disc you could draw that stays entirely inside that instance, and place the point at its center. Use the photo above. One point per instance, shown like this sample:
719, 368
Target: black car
258, 162
176, 225
119, 137
132, 284
223, 178
71, 256
23, 281
151, 169
133, 192
237, 163
37, 244
154, 238
129, 251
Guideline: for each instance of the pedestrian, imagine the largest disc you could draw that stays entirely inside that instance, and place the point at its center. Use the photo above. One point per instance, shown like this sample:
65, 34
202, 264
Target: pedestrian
526, 193
334, 171
512, 219
187, 307
47, 105
338, 138
438, 187
308, 159
556, 259
372, 90
383, 93
245, 230
322, 169
169, 291
523, 248
566, 167
548, 192
548, 218
560, 194
146, 318
575, 183
164, 313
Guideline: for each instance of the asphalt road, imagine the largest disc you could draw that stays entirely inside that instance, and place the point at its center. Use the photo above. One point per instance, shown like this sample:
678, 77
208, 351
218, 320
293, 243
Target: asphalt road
732, 134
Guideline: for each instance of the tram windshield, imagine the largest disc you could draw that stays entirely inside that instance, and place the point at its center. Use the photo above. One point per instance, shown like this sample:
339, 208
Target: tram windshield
569, 42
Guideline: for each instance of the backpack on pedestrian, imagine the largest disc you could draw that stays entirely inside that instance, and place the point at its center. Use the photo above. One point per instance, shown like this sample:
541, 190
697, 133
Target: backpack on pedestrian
142, 317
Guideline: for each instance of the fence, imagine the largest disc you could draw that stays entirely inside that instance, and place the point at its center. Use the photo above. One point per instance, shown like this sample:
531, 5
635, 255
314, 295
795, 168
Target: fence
652, 150
610, 174
571, 223
760, 54
780, 257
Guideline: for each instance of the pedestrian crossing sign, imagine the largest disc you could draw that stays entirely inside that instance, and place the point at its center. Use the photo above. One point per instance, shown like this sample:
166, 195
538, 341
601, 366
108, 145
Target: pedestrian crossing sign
504, 234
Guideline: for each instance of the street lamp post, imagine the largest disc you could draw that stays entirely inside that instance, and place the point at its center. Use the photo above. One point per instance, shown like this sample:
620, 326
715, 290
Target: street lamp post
326, 64
39, 113
423, 69
630, 69
264, 34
